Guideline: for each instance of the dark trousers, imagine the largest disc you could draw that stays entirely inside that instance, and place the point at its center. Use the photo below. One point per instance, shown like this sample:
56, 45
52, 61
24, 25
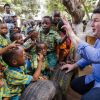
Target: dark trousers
86, 90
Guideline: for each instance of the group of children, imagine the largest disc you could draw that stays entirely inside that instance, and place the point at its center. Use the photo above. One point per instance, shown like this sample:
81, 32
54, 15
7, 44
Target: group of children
26, 60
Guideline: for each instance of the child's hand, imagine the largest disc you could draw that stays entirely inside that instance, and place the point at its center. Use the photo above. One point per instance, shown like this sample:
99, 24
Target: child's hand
1, 83
40, 57
13, 45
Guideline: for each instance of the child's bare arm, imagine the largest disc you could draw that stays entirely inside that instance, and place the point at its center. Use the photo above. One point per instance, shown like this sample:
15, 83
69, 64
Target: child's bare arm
12, 45
39, 67
1, 83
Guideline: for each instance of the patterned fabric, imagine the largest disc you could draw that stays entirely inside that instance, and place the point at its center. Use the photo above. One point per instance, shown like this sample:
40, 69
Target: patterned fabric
52, 59
35, 63
3, 43
16, 80
27, 45
4, 90
71, 56
45, 71
50, 39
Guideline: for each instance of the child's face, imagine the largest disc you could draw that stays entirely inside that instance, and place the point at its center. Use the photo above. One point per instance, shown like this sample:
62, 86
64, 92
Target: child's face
18, 38
46, 24
34, 35
15, 30
3, 29
43, 49
20, 57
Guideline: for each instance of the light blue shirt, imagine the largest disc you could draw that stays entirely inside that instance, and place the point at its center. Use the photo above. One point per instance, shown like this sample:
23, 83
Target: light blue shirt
91, 56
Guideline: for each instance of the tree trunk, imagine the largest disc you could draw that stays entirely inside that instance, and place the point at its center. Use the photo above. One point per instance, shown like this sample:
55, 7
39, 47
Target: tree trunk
98, 3
74, 9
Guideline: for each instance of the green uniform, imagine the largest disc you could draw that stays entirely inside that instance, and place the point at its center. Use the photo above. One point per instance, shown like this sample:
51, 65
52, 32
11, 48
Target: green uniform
4, 90
51, 39
3, 43
16, 80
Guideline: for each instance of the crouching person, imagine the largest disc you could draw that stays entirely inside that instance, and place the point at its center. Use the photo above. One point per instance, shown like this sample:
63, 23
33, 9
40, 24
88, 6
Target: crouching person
16, 77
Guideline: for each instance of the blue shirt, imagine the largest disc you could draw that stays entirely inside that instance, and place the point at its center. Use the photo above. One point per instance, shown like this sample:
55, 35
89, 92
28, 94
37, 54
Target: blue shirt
90, 58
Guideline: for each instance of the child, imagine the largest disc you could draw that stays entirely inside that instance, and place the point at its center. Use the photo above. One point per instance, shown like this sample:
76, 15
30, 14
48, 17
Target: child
50, 37
19, 40
4, 42
17, 37
3, 32
33, 35
16, 78
64, 48
14, 30
41, 48
4, 47
4, 91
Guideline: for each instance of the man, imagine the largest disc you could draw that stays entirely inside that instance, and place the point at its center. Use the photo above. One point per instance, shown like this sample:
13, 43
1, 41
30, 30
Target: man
8, 17
88, 85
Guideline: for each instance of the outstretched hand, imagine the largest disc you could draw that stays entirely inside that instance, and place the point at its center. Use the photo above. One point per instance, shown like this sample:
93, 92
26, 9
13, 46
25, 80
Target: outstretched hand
13, 45
66, 25
67, 67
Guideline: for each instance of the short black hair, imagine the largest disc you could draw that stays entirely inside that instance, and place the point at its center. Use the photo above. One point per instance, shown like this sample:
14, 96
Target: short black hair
56, 14
12, 31
49, 17
38, 47
97, 10
9, 56
6, 5
12, 36
59, 26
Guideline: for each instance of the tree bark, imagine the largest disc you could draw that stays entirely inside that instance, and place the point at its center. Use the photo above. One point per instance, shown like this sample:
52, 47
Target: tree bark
98, 3
74, 8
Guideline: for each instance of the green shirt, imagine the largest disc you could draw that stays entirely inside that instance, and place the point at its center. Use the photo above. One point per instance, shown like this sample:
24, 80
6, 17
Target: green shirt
50, 39
35, 63
3, 43
4, 90
16, 80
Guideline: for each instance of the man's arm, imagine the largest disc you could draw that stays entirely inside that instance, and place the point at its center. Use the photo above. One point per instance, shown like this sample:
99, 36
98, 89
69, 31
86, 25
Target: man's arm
82, 63
89, 53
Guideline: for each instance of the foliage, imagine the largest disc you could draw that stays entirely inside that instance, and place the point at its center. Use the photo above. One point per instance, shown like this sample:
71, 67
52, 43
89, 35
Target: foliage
88, 6
23, 6
52, 5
